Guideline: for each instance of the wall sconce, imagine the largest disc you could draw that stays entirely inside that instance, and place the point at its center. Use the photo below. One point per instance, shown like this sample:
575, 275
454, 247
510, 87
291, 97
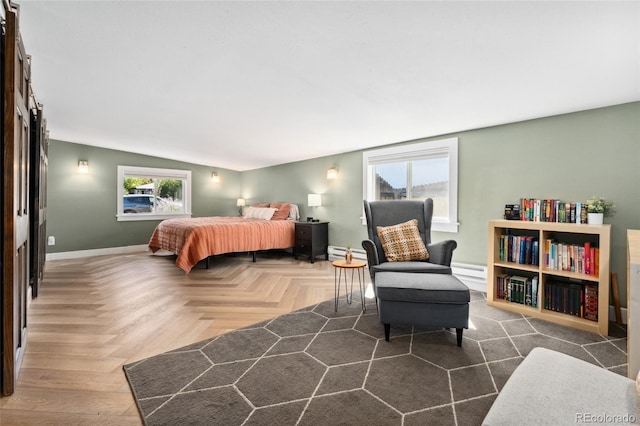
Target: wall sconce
332, 173
314, 200
214, 177
241, 202
83, 166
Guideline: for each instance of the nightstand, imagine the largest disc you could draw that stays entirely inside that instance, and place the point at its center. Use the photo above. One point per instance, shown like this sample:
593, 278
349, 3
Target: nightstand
312, 239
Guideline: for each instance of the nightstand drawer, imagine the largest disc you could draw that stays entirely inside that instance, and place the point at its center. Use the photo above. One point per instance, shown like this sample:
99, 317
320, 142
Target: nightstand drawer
304, 233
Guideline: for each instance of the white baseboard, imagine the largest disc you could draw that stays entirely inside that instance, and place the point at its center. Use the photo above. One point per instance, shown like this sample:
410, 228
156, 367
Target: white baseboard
96, 252
612, 314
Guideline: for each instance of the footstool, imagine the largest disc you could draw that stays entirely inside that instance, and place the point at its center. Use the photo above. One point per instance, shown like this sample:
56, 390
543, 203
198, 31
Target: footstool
425, 300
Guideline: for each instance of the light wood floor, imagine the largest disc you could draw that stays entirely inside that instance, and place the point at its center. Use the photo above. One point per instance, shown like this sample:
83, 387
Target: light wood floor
94, 315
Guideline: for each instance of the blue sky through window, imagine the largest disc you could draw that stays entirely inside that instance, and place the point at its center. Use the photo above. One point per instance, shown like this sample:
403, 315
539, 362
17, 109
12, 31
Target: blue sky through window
424, 171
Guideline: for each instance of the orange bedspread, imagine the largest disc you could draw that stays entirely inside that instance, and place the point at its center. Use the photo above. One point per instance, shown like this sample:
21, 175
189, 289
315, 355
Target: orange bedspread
194, 239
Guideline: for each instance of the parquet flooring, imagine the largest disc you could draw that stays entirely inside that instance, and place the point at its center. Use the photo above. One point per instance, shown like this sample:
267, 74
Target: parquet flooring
93, 315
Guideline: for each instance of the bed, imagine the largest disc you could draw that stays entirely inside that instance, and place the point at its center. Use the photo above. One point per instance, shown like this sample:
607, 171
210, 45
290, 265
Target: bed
195, 239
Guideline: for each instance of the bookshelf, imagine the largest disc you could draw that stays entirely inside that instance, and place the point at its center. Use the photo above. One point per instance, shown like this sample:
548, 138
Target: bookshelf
633, 302
563, 294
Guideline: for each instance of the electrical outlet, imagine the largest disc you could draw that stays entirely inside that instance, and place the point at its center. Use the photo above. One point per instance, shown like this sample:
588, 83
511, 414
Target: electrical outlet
52, 240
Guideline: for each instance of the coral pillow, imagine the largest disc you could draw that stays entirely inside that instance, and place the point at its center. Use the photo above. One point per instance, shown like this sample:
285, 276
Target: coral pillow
282, 210
260, 205
402, 242
265, 213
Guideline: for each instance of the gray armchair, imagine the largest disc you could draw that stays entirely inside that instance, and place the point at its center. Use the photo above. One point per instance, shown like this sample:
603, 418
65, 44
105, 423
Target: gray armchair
421, 293
386, 213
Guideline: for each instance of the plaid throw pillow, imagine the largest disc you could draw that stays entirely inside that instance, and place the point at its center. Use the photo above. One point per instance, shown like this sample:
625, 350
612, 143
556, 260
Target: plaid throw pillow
402, 242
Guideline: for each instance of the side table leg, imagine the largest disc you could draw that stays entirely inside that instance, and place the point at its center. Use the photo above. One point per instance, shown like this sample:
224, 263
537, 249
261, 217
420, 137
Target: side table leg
336, 288
346, 286
351, 295
361, 286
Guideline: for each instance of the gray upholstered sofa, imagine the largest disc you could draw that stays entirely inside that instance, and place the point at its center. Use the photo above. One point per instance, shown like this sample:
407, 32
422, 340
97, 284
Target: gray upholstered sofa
551, 388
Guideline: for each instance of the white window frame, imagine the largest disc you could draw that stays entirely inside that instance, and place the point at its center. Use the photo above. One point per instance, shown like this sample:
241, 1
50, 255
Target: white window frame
417, 151
125, 171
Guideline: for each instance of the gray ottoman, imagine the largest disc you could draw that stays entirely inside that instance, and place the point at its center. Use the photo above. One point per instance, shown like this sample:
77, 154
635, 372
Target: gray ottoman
425, 300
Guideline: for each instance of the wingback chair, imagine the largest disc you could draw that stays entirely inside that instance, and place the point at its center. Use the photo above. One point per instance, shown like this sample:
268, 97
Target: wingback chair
392, 212
415, 292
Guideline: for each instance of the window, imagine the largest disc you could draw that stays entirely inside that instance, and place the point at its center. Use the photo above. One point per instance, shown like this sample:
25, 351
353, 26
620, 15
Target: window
151, 194
415, 172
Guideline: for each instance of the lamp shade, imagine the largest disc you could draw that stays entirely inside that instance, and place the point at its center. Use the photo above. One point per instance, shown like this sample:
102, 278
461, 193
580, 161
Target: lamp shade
332, 173
314, 200
241, 202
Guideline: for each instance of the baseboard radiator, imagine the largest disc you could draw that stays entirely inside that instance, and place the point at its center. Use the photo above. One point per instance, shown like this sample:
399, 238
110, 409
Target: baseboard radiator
337, 253
474, 276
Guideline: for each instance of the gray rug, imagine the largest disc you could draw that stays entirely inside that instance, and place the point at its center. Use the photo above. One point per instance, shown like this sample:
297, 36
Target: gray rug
320, 367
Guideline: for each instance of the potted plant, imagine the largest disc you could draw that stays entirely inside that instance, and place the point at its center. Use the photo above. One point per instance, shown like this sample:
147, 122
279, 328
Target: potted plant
598, 208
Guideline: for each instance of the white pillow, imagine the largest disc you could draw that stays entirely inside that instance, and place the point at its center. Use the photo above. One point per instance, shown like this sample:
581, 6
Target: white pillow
294, 213
265, 213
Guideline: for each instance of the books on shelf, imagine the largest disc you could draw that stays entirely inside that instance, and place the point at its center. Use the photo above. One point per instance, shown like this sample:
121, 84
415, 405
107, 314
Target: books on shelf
567, 297
517, 289
552, 210
572, 298
520, 249
579, 258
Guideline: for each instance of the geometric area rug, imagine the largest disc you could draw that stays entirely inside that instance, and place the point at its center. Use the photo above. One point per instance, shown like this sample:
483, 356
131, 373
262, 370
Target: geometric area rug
315, 366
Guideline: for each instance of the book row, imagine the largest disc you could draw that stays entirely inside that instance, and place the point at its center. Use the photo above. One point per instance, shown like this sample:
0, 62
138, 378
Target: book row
577, 299
580, 300
547, 210
516, 289
580, 258
519, 249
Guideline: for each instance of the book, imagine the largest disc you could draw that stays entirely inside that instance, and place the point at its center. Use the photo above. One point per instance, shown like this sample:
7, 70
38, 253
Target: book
587, 258
591, 302
528, 290
517, 285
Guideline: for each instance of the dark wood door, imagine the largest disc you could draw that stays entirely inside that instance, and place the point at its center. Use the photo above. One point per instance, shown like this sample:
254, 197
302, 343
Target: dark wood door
15, 210
39, 142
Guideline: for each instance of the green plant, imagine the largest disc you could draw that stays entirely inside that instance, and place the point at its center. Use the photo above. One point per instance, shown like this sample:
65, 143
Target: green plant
601, 205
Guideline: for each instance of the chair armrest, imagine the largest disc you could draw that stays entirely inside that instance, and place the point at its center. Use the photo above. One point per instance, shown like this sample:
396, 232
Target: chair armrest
372, 255
442, 252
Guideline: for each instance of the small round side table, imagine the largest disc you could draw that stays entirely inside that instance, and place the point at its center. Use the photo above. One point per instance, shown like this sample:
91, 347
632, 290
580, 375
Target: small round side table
341, 266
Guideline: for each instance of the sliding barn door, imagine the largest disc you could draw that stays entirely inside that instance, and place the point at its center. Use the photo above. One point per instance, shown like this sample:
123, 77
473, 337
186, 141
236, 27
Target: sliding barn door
39, 142
15, 211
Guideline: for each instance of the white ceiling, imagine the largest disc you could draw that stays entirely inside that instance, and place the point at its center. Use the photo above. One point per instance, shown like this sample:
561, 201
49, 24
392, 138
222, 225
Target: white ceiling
243, 85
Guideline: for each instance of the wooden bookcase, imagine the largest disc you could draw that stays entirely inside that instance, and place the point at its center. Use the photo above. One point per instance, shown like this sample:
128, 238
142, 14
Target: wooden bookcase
633, 302
569, 233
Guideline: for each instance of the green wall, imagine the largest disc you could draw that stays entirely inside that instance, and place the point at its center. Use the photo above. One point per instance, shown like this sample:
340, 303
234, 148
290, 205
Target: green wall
81, 208
571, 157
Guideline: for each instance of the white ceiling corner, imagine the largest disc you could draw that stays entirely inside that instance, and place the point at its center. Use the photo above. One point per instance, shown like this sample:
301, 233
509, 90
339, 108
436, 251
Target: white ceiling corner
244, 85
